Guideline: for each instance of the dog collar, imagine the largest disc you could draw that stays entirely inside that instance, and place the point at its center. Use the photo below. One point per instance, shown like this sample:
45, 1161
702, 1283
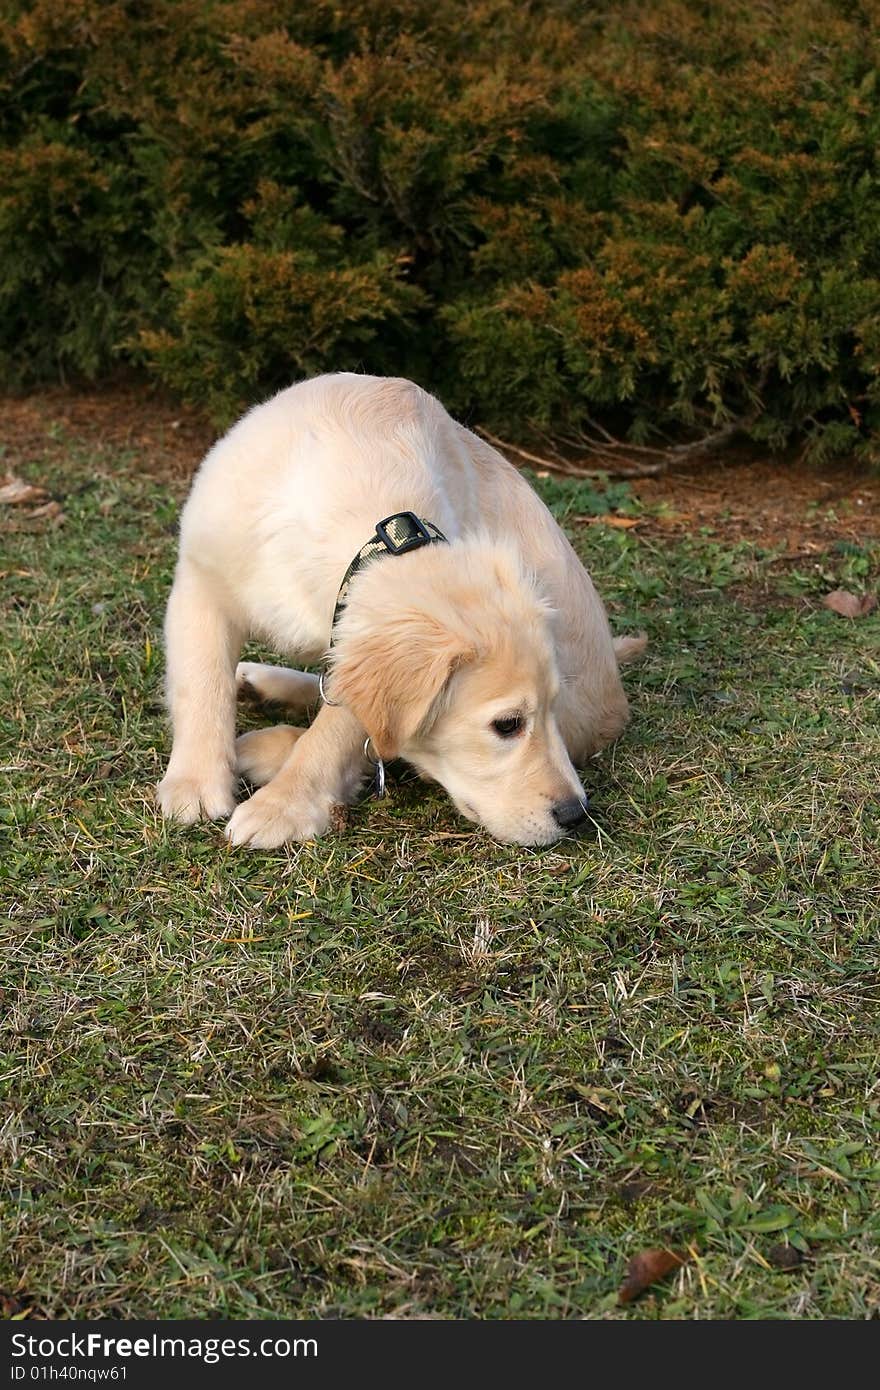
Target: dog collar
396, 535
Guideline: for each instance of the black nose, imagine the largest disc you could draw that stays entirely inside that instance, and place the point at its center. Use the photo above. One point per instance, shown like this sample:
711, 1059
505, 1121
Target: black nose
571, 814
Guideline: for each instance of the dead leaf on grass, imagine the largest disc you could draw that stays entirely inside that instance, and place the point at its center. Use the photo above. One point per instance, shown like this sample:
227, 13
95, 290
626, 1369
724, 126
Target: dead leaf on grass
620, 523
850, 605
600, 1098
15, 492
50, 511
647, 1268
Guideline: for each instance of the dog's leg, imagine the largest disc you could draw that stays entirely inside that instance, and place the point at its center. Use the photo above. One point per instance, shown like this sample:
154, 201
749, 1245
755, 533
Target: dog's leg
202, 644
262, 753
277, 685
324, 769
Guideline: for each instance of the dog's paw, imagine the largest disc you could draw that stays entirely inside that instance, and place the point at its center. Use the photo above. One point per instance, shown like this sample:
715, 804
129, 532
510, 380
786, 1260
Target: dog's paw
269, 819
276, 685
247, 685
189, 799
261, 753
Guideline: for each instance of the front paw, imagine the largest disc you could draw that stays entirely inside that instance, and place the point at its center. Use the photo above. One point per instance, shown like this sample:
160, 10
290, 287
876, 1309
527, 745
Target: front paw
269, 819
190, 798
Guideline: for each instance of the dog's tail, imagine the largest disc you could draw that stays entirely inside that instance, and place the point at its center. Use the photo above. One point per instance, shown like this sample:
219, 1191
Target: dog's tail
630, 648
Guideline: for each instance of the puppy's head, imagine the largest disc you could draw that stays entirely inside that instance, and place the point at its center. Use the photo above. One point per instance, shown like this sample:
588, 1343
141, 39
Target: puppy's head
446, 658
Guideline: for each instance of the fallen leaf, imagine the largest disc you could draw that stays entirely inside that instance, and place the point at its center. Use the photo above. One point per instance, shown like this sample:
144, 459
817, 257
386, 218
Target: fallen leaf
600, 1098
647, 1268
620, 523
50, 511
15, 491
850, 605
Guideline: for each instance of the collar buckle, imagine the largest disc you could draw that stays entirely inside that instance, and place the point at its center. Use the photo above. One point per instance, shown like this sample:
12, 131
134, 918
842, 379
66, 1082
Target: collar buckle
414, 533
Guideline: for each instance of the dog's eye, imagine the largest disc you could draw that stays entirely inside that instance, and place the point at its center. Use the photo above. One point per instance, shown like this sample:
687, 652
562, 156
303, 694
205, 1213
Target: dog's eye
506, 728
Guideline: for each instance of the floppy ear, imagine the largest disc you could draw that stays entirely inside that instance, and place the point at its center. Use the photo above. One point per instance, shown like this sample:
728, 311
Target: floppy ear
392, 677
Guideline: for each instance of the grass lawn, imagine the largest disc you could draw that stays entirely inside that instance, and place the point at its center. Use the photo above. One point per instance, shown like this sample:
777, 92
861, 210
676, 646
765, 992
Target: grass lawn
408, 1071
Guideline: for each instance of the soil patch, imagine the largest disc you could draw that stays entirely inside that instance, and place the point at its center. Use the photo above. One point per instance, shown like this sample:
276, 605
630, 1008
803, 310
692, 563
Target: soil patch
167, 439
772, 501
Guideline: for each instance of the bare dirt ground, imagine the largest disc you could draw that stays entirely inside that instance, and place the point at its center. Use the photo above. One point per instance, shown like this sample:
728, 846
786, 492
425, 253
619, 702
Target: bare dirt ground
168, 438
737, 495
776, 501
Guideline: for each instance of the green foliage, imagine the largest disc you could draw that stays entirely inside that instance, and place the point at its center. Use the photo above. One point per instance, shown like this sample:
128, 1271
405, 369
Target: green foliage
663, 215
573, 497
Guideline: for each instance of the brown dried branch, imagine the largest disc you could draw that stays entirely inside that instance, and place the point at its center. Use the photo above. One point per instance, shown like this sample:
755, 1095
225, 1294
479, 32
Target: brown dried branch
552, 465
643, 460
613, 468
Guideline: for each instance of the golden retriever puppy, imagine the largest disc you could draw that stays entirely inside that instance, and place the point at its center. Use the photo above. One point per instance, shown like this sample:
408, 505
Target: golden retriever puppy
484, 658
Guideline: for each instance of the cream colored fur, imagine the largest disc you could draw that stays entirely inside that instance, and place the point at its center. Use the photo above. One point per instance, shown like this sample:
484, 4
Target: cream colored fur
432, 646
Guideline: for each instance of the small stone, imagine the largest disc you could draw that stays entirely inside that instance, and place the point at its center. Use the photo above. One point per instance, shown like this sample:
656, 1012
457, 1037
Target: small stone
784, 1257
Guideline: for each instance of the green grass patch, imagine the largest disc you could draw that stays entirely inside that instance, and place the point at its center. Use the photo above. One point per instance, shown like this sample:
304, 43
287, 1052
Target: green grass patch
408, 1070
